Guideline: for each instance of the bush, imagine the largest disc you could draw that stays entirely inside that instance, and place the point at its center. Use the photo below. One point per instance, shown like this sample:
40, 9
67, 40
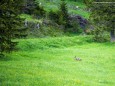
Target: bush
75, 27
46, 28
39, 11
54, 16
100, 35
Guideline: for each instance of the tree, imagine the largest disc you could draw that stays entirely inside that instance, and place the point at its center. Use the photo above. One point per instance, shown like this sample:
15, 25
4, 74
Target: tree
9, 23
103, 15
33, 7
54, 16
63, 14
39, 10
29, 6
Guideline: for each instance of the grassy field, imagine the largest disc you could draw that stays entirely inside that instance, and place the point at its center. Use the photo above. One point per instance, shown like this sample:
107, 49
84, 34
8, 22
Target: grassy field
51, 62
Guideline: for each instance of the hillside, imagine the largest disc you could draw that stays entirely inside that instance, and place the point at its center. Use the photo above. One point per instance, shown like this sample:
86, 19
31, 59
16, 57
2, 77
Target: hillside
72, 6
77, 13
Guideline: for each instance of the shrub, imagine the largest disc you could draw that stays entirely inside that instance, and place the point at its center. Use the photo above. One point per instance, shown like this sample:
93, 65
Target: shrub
54, 16
100, 35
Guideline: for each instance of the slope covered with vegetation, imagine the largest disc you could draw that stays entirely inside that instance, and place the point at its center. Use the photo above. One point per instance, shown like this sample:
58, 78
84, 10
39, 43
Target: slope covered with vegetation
51, 17
72, 6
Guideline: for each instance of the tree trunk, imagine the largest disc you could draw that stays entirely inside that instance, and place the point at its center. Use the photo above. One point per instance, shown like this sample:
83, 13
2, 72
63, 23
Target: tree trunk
112, 34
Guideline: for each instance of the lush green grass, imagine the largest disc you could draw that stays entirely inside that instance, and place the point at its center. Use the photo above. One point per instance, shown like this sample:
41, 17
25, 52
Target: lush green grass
50, 62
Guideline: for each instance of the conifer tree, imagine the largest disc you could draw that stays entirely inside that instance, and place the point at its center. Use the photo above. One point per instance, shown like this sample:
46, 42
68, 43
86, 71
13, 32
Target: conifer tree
9, 23
33, 7
29, 6
63, 14
103, 16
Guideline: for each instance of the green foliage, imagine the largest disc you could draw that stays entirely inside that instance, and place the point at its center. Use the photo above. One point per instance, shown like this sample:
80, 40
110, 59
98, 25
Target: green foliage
54, 6
100, 35
51, 31
33, 7
45, 31
9, 20
52, 42
29, 18
102, 15
61, 17
54, 16
46, 27
76, 0
39, 11
74, 26
63, 13
29, 6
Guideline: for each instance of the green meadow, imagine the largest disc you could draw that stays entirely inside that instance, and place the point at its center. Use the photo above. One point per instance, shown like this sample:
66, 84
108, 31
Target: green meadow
51, 62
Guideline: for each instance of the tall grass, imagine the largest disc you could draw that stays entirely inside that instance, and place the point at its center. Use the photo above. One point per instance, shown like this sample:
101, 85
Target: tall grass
52, 42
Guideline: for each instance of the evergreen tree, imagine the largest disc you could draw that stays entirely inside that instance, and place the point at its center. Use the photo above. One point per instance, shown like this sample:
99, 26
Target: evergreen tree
33, 7
29, 6
39, 10
103, 16
63, 14
9, 22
